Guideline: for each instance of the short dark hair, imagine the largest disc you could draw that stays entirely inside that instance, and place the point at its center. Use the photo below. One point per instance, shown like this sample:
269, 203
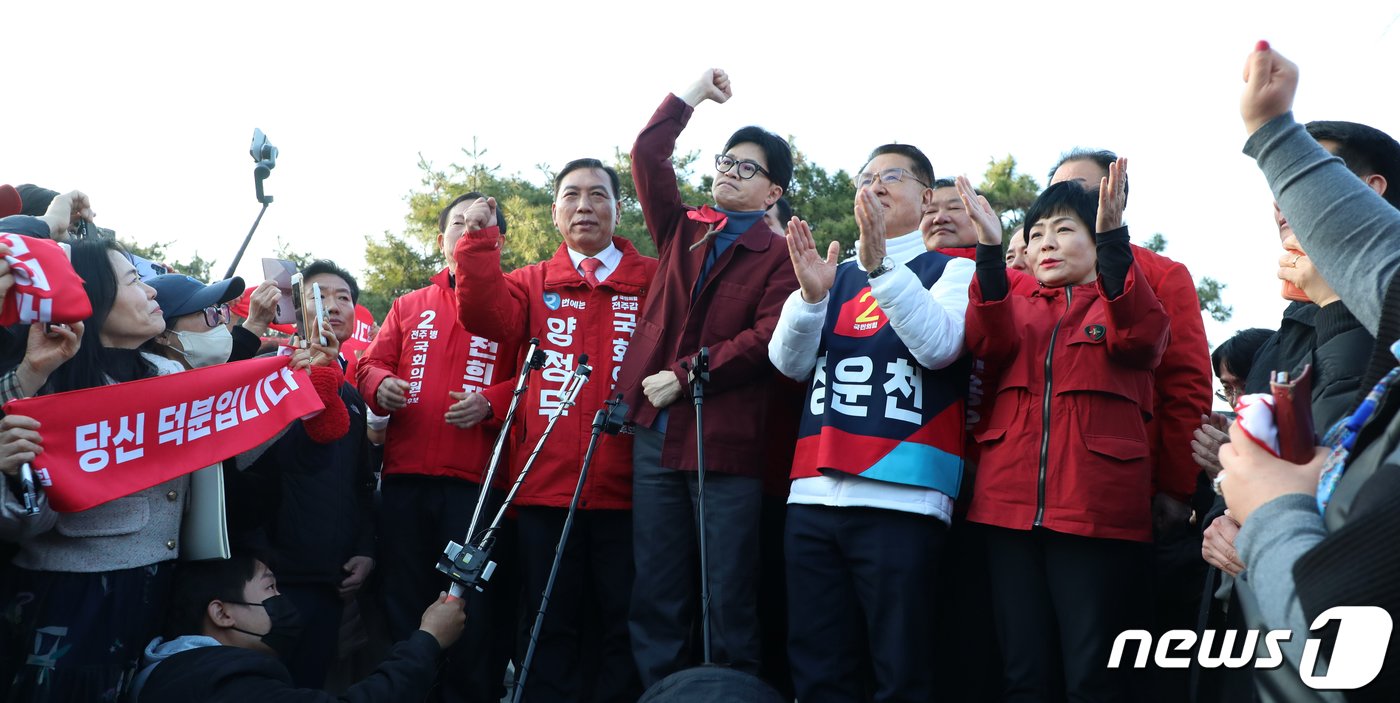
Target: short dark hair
1101, 157
949, 183
197, 583
1239, 350
1366, 151
577, 164
442, 216
1063, 197
775, 151
784, 210
326, 266
923, 168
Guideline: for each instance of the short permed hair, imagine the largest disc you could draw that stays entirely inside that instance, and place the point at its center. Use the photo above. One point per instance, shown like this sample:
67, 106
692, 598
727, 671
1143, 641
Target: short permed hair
1063, 197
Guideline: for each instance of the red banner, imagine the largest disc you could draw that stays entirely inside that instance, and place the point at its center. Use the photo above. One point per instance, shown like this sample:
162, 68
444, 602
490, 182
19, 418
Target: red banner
46, 288
104, 443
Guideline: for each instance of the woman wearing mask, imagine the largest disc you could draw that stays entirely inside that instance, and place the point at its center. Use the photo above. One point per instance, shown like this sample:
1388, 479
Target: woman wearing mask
196, 320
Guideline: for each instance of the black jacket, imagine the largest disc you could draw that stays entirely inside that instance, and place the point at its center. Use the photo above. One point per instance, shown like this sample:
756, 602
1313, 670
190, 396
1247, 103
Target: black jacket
1333, 341
308, 506
235, 674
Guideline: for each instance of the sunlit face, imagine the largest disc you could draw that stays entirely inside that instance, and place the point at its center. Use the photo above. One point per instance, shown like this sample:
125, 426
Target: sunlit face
904, 201
1061, 251
585, 210
335, 299
733, 193
946, 223
1016, 254
456, 227
135, 317
1084, 171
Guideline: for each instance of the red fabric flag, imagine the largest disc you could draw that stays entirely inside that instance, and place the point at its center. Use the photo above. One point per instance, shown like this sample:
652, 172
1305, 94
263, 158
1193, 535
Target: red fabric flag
46, 287
104, 443
710, 216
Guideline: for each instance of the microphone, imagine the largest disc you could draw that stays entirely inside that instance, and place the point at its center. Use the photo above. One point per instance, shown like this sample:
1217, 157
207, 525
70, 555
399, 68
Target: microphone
615, 413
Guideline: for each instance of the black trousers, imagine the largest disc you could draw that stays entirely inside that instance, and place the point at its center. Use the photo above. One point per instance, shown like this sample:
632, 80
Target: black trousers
1060, 600
591, 592
966, 661
666, 593
860, 598
419, 515
320, 608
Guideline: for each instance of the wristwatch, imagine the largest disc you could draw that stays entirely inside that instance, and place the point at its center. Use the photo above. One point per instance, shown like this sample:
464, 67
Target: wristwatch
885, 267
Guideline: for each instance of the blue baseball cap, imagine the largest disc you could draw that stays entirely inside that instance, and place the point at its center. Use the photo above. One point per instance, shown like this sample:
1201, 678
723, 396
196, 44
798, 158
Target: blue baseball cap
179, 295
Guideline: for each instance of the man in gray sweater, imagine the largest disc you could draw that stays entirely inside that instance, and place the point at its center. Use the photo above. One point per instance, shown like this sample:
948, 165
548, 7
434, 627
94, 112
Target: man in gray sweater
1351, 234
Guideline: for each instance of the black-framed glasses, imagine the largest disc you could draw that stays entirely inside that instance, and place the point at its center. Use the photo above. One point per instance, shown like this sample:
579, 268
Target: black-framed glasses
889, 176
1229, 395
748, 168
216, 315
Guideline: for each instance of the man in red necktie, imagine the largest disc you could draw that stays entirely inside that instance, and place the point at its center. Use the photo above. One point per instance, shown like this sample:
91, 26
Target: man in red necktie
584, 300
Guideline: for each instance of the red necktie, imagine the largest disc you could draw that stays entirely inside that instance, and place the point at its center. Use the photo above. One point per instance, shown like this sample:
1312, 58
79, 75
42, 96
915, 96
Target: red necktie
590, 268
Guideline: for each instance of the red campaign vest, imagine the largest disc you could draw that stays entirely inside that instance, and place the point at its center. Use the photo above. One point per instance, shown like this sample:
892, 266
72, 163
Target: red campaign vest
570, 319
420, 341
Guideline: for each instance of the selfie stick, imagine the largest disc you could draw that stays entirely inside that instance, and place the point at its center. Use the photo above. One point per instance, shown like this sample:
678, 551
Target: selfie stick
470, 566
608, 420
699, 369
265, 154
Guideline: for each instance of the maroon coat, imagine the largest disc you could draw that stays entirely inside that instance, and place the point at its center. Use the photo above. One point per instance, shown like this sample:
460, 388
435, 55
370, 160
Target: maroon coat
734, 316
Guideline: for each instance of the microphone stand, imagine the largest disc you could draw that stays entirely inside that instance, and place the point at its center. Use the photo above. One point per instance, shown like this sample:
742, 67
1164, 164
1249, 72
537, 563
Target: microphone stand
534, 359
608, 420
470, 566
699, 371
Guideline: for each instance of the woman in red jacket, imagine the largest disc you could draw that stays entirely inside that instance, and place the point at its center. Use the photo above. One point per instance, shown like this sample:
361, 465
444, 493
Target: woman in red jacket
1065, 482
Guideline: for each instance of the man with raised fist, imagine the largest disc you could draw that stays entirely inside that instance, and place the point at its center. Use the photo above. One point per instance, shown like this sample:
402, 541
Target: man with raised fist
722, 280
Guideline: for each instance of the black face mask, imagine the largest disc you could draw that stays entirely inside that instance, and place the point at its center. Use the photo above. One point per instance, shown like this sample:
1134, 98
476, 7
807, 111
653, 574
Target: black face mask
285, 632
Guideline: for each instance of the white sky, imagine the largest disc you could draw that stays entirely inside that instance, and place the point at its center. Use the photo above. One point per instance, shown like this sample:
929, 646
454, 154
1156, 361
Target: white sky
149, 107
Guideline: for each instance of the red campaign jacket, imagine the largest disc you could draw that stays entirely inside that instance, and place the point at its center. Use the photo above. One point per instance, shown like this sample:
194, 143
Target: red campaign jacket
1182, 382
551, 301
734, 315
1182, 386
1097, 476
421, 341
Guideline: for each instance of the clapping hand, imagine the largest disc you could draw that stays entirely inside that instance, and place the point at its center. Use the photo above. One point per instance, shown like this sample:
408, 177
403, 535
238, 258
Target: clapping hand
815, 276
984, 218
